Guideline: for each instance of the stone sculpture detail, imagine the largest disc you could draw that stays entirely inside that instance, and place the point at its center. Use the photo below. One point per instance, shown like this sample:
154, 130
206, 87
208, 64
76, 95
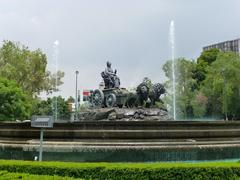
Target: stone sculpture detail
111, 80
146, 96
115, 103
114, 96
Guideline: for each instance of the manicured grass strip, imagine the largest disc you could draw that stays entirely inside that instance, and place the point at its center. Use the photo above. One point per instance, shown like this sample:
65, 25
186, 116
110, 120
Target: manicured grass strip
4, 175
213, 170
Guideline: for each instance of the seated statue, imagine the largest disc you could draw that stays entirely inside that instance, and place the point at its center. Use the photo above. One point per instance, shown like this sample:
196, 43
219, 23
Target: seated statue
111, 80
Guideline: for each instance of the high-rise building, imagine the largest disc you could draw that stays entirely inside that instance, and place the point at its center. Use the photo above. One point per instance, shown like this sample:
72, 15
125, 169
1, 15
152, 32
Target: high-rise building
233, 45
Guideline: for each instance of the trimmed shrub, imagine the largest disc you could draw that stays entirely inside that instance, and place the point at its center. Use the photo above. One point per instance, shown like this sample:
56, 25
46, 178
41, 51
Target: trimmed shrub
126, 170
7, 175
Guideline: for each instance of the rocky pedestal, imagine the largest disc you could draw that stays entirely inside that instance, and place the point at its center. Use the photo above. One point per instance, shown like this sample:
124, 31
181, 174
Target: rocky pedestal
124, 114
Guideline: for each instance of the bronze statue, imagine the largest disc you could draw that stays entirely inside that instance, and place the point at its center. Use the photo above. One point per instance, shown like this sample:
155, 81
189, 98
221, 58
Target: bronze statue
142, 93
155, 92
146, 95
111, 80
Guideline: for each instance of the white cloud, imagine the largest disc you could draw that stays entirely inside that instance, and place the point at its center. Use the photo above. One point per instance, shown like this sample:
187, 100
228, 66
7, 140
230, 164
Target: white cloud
132, 34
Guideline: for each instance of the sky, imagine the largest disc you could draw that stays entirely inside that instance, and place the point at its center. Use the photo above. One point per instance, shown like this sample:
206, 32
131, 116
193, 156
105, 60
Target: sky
132, 34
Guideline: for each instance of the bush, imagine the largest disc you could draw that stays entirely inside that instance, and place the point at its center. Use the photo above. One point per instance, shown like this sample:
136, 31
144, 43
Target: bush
14, 103
126, 170
7, 175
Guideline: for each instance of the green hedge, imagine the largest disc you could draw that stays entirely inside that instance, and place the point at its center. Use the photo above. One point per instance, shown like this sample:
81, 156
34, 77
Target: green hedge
126, 170
7, 175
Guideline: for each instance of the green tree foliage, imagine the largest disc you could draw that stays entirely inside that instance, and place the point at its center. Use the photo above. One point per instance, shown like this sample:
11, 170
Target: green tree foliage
48, 107
199, 103
203, 62
14, 103
222, 85
217, 93
184, 85
27, 68
208, 56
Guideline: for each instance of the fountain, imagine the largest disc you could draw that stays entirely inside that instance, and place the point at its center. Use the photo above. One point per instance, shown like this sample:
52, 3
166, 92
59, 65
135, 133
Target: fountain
55, 60
124, 126
117, 103
172, 44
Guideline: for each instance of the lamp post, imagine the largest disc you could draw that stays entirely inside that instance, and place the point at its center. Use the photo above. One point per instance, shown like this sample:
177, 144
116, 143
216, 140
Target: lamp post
76, 97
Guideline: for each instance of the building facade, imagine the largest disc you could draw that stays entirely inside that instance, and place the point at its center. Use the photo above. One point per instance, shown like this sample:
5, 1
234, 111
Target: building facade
233, 45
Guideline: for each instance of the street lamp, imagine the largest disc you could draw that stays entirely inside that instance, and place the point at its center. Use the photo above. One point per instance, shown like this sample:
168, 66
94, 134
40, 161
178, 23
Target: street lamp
76, 98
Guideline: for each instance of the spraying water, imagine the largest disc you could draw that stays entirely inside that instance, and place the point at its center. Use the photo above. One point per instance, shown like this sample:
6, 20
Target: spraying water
55, 60
172, 44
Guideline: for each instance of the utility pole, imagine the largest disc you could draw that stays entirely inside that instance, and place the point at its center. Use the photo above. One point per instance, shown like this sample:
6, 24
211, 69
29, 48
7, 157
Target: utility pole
76, 97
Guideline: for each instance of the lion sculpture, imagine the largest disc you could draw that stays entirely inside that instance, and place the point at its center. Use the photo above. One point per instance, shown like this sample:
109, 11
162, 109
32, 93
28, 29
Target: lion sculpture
145, 95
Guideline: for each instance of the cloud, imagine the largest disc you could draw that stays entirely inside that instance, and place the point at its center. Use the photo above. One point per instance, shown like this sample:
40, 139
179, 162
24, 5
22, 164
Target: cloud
132, 34
35, 21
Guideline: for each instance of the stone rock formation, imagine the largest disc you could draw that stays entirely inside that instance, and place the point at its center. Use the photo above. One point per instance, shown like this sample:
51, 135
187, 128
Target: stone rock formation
124, 114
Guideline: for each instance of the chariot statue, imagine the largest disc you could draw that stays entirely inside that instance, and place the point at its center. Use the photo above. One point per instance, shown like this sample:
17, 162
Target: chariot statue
112, 95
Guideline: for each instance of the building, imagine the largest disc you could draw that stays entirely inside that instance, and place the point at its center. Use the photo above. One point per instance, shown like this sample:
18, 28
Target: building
233, 45
86, 94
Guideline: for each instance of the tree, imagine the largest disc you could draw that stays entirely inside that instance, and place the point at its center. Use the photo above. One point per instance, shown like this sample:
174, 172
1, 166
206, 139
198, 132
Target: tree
48, 107
27, 68
14, 103
208, 56
222, 85
199, 103
203, 62
184, 85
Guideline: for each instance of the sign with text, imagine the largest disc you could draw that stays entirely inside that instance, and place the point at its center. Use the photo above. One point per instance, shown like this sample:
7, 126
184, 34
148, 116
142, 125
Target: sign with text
42, 121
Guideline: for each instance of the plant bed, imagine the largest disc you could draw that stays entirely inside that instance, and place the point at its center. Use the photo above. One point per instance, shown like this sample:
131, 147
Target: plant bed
207, 170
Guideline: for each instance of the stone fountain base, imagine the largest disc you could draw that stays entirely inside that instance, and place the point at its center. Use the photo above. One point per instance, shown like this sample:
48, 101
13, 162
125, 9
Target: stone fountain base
124, 114
123, 141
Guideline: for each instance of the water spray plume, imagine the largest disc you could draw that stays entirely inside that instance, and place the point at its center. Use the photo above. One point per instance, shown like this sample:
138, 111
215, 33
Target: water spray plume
56, 43
55, 59
172, 43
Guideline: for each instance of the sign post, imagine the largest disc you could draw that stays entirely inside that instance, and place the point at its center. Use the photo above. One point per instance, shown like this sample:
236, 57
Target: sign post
41, 142
42, 122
